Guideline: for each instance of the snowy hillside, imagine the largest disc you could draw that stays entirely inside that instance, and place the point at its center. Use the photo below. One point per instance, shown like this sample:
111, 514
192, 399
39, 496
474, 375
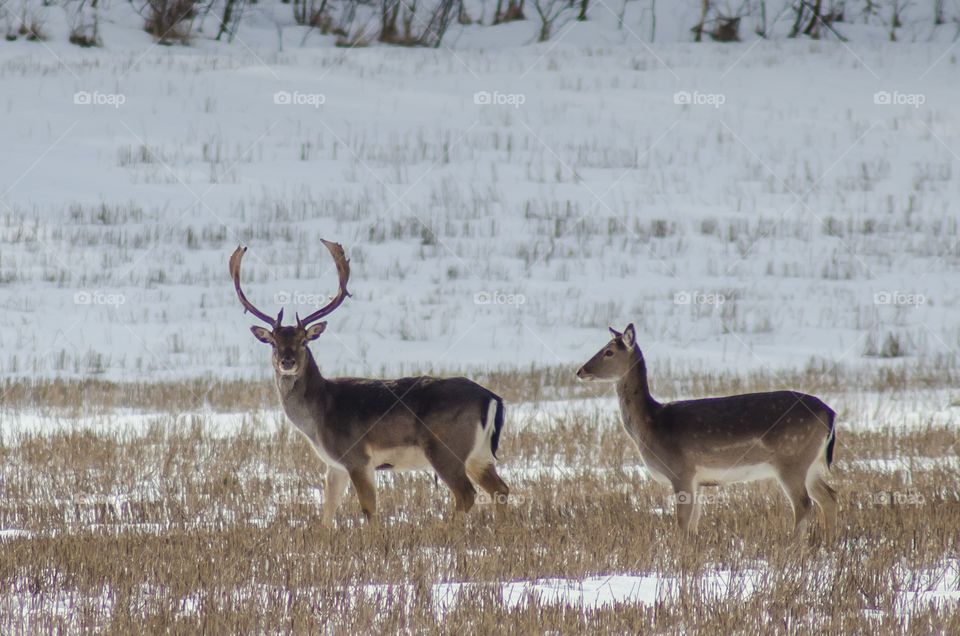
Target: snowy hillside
748, 205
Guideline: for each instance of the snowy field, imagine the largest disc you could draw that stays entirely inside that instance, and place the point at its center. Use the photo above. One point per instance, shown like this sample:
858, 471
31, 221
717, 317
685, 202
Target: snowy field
782, 216
766, 212
220, 512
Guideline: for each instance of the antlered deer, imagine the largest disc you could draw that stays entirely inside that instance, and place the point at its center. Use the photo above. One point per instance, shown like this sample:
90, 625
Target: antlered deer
357, 426
783, 435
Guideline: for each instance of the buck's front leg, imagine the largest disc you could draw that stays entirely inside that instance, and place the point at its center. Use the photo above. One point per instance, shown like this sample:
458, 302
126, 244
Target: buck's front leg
363, 482
336, 485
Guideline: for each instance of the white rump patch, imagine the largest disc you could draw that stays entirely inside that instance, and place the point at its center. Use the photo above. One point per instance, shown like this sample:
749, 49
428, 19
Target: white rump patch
481, 456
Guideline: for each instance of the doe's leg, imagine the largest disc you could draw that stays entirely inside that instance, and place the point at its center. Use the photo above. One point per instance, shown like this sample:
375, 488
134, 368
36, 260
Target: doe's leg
795, 488
826, 499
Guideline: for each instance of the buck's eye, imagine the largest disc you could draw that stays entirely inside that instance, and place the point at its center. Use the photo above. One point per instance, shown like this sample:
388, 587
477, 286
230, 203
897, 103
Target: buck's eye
607, 353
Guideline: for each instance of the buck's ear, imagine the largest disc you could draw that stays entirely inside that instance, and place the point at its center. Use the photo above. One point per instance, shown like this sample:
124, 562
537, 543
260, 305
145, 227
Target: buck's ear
314, 331
263, 335
615, 333
629, 335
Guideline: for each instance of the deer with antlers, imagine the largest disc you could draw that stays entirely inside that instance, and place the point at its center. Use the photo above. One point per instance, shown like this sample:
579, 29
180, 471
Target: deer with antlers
783, 435
358, 426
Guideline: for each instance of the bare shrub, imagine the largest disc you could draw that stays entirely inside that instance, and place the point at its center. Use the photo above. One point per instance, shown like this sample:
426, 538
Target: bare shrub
169, 21
419, 25
84, 24
32, 29
28, 24
726, 29
83, 38
551, 12
230, 22
513, 11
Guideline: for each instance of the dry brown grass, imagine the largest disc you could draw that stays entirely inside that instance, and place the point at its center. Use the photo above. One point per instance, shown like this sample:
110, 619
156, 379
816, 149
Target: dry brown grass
533, 384
176, 528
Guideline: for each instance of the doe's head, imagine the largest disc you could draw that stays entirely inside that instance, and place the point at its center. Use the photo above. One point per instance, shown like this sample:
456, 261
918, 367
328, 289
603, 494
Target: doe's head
614, 360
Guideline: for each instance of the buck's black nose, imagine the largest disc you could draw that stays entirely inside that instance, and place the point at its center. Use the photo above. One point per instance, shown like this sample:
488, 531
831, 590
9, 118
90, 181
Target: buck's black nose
287, 363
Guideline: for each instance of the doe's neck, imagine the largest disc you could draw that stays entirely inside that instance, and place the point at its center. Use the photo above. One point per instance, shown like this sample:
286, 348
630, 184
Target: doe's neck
633, 387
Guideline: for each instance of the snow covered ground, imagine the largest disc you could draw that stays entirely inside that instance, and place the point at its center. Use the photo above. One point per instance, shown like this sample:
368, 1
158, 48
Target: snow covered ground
896, 483
752, 205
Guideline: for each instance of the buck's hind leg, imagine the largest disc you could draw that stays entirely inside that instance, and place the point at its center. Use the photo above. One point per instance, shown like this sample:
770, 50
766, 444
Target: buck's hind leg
363, 482
453, 472
487, 478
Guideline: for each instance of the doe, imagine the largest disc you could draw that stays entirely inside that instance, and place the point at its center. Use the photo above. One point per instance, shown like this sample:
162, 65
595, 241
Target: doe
783, 435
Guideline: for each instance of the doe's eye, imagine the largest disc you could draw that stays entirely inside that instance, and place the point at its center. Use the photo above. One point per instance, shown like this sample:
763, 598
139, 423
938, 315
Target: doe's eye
608, 353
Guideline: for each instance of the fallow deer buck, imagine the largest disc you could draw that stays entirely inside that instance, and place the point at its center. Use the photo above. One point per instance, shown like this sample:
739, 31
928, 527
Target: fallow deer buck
782, 435
357, 426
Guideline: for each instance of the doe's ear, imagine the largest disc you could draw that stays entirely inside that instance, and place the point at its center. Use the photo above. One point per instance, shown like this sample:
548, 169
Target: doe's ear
629, 335
615, 333
314, 331
263, 335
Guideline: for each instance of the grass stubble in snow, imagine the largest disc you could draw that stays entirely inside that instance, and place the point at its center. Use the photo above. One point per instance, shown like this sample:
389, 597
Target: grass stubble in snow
735, 237
822, 219
211, 521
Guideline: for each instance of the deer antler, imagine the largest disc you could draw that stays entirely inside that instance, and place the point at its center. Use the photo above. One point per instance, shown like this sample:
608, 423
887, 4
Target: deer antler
343, 273
247, 305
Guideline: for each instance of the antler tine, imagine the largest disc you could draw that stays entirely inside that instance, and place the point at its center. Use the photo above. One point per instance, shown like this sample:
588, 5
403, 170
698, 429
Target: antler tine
247, 305
343, 273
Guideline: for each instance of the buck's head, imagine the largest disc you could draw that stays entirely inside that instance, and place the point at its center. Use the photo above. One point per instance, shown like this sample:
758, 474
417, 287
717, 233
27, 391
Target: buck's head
290, 343
614, 360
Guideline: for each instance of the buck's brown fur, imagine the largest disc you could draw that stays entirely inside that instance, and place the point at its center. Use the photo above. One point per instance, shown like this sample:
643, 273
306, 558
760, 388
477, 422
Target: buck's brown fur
356, 426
